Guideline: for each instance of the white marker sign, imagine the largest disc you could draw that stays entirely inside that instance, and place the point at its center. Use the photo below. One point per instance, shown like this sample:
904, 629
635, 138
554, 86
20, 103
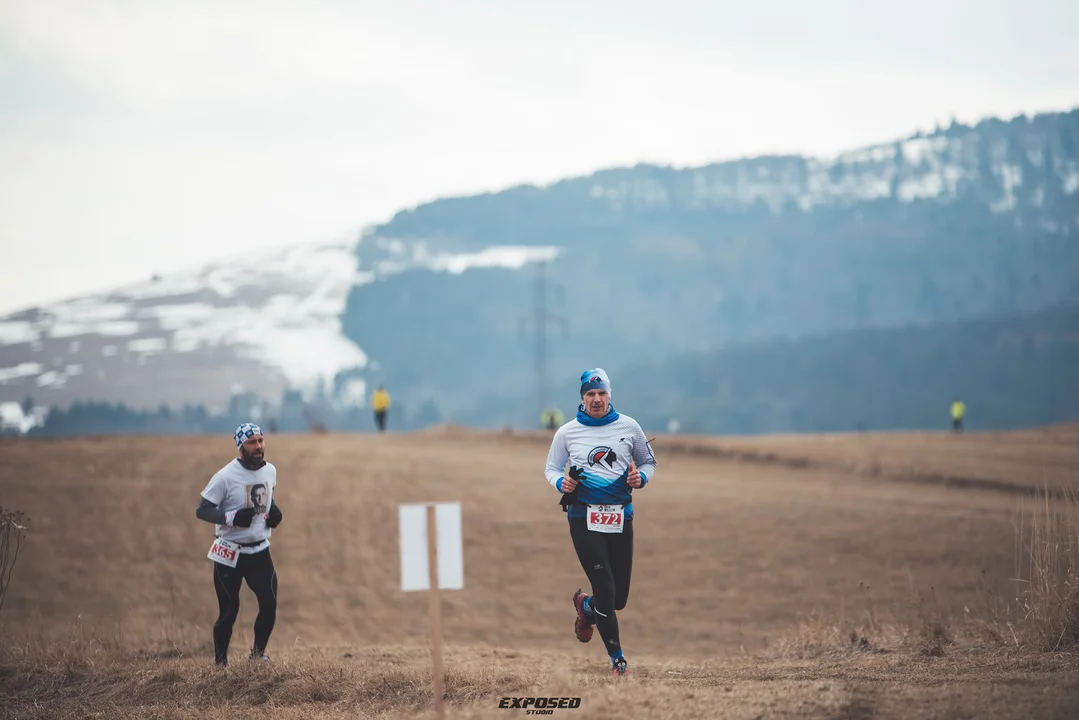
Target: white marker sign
412, 520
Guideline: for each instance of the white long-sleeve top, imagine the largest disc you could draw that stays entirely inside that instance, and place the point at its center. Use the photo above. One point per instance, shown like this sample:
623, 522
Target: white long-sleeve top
604, 452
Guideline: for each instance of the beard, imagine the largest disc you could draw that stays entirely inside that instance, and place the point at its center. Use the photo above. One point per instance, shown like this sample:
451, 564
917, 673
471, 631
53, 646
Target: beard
252, 458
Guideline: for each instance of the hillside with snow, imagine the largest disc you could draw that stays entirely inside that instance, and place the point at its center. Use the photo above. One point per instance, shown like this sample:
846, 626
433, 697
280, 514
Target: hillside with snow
1026, 171
641, 264
199, 337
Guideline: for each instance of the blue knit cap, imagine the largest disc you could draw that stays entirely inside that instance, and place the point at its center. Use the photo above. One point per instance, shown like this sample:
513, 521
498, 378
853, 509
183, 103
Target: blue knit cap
595, 379
244, 432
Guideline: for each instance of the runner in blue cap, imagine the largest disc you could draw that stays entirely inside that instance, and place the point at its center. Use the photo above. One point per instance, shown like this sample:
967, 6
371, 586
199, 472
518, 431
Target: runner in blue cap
609, 457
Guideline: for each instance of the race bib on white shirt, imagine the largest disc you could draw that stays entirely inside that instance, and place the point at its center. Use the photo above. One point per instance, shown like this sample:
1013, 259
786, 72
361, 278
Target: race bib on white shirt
224, 552
606, 518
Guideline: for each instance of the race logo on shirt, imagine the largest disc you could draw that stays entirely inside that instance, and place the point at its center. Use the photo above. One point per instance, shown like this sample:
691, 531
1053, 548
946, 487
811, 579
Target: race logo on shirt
602, 455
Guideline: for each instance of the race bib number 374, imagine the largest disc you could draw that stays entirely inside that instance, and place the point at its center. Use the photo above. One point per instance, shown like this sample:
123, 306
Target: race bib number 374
606, 518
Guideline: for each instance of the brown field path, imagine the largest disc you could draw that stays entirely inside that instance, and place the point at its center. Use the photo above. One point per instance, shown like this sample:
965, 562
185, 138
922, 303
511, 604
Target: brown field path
739, 543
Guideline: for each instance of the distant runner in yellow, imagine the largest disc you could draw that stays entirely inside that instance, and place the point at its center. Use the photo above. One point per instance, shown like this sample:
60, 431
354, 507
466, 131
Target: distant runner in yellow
380, 401
959, 411
552, 418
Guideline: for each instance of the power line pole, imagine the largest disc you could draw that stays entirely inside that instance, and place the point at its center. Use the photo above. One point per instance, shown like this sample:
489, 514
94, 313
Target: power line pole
542, 317
541, 334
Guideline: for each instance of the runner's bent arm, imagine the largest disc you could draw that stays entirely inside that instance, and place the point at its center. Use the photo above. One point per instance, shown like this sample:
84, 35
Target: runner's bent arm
210, 513
212, 496
643, 457
556, 459
209, 508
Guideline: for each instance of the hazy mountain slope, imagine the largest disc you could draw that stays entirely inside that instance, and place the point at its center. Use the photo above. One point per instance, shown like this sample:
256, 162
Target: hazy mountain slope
966, 222
641, 264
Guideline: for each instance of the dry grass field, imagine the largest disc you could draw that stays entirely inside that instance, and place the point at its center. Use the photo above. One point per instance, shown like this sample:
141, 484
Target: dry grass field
846, 576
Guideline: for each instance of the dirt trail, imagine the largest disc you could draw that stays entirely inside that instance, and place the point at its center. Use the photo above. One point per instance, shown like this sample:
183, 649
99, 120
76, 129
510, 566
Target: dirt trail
740, 542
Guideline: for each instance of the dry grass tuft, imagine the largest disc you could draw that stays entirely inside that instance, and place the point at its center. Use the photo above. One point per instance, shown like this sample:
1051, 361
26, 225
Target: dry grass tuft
1047, 565
1041, 616
12, 532
817, 636
395, 682
104, 679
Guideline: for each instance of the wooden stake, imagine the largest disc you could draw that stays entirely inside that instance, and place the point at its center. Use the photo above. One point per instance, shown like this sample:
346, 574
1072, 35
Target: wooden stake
436, 610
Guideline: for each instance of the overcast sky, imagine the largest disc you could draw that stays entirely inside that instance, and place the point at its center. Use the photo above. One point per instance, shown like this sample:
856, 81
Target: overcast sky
138, 137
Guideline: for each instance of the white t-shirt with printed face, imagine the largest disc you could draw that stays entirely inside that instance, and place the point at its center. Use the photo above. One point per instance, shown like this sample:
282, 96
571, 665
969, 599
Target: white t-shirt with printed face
234, 487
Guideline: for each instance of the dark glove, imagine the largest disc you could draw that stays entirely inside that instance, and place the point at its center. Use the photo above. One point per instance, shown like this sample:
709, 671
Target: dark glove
274, 516
243, 518
568, 499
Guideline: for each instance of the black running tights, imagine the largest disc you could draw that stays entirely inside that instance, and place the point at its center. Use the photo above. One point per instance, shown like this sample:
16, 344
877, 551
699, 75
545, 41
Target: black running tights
607, 560
258, 570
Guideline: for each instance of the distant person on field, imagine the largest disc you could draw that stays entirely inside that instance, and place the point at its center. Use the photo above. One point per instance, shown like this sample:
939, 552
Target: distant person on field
959, 411
609, 458
380, 402
239, 500
552, 418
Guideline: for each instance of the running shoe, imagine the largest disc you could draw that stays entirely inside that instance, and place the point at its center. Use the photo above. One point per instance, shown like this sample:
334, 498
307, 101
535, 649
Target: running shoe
581, 627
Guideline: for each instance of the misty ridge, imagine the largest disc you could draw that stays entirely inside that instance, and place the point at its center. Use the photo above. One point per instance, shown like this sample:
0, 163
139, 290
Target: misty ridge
763, 295
768, 294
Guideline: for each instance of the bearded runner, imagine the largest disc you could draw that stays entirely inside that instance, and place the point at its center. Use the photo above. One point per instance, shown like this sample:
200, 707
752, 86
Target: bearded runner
239, 500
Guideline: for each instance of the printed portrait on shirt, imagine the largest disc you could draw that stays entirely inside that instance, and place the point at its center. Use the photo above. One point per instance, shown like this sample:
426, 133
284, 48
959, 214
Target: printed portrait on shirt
257, 496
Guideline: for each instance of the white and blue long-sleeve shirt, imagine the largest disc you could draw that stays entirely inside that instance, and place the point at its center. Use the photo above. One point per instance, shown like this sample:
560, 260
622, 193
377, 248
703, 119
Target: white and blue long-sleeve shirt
603, 448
